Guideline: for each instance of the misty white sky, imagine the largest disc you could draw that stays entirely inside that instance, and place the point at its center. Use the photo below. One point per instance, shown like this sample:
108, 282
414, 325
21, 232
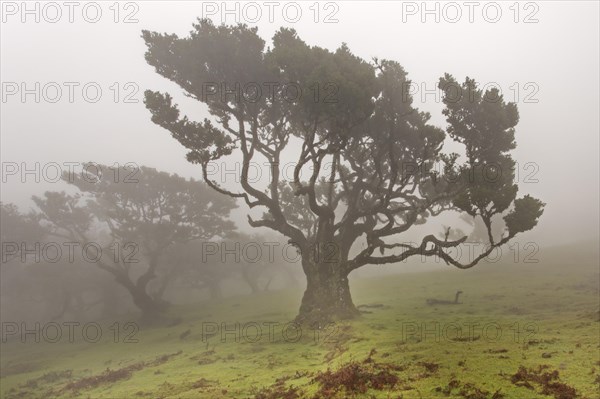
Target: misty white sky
554, 61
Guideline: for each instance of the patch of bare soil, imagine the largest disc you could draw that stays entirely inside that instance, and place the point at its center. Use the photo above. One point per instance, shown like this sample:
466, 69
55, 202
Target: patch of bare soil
357, 378
456, 388
337, 343
109, 376
546, 381
278, 391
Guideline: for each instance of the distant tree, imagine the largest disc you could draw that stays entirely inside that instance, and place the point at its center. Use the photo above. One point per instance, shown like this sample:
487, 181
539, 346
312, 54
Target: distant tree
144, 216
375, 165
262, 261
17, 231
192, 269
253, 259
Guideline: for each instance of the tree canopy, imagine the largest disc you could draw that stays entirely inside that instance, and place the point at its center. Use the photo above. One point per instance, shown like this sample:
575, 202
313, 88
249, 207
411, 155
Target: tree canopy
376, 164
145, 214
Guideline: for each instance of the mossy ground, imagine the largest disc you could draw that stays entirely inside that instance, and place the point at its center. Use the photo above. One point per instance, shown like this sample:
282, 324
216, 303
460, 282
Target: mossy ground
546, 313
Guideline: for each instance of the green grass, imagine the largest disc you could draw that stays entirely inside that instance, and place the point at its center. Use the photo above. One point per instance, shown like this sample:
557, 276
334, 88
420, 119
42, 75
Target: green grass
547, 314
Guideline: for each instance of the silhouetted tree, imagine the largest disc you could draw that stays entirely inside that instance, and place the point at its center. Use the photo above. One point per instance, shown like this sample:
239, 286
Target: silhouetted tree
144, 214
17, 231
375, 165
254, 259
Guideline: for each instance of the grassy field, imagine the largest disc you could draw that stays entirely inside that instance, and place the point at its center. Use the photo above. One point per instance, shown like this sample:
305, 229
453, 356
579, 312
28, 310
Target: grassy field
522, 331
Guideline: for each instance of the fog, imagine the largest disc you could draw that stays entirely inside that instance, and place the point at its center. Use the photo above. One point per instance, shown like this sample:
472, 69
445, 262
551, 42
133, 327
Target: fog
83, 88
559, 54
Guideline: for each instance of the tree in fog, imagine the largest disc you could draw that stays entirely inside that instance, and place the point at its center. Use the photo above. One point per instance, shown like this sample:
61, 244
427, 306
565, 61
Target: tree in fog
193, 269
206, 266
38, 281
17, 231
145, 212
369, 165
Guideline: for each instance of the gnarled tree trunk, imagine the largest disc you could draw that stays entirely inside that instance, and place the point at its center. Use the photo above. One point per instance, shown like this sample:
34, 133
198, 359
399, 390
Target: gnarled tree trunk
327, 296
149, 307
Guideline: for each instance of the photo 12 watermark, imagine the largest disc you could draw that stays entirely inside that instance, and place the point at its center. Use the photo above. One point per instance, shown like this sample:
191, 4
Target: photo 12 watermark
54, 12
88, 92
69, 332
466, 331
69, 252
452, 12
493, 92
69, 171
267, 332
253, 92
251, 12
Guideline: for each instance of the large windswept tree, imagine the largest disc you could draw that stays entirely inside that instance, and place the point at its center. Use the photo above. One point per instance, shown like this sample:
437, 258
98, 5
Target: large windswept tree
375, 165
